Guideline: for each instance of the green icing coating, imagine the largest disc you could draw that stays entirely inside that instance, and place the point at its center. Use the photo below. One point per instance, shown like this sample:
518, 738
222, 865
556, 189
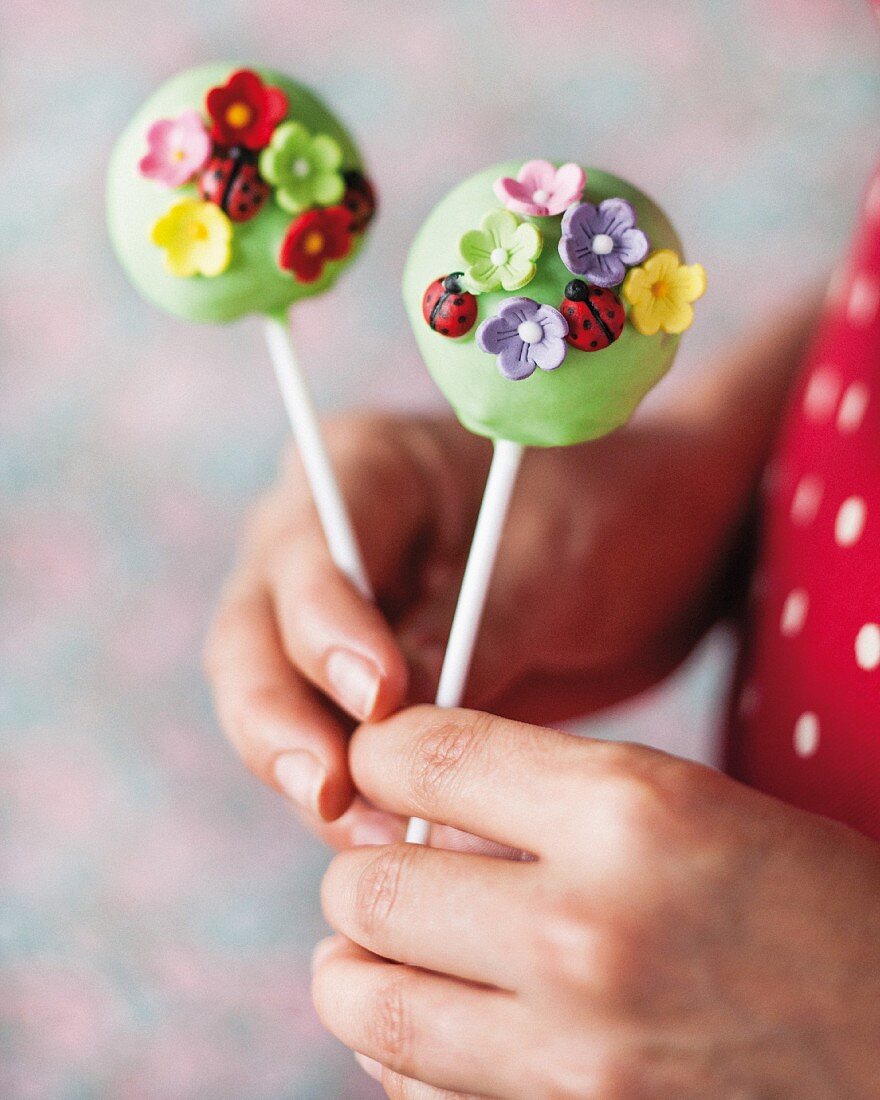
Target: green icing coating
253, 282
592, 393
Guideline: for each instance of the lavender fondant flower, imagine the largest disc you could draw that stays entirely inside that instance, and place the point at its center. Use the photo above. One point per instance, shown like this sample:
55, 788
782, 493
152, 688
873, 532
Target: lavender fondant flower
601, 242
523, 335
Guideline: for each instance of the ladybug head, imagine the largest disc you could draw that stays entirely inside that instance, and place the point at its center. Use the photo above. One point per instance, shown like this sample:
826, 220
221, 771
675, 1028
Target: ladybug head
452, 284
577, 291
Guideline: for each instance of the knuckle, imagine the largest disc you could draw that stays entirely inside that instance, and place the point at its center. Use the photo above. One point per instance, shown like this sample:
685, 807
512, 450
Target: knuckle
391, 1038
564, 948
440, 752
378, 887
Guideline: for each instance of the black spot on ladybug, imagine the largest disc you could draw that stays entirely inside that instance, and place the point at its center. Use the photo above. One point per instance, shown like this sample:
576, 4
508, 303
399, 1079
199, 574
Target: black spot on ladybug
594, 343
245, 188
610, 314
444, 331
458, 301
462, 320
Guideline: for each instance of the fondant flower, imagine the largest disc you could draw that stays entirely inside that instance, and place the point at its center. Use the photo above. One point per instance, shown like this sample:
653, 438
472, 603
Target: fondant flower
313, 239
303, 167
500, 253
540, 189
660, 293
524, 335
196, 237
600, 242
176, 149
245, 111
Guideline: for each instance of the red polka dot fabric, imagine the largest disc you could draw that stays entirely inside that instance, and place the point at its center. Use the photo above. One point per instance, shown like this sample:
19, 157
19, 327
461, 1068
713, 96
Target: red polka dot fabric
806, 720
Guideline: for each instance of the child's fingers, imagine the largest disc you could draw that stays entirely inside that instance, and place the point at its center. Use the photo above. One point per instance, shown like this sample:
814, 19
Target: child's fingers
336, 638
279, 727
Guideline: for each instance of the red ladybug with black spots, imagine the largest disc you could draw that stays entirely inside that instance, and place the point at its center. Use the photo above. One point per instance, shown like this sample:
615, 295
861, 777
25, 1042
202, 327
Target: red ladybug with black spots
359, 199
231, 180
595, 316
448, 308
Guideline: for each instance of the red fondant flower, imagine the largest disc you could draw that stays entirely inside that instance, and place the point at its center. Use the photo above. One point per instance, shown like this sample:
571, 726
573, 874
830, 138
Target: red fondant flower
245, 111
316, 237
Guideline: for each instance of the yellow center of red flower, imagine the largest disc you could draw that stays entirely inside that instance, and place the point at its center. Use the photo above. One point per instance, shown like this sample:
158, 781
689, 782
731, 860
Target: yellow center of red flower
238, 115
313, 243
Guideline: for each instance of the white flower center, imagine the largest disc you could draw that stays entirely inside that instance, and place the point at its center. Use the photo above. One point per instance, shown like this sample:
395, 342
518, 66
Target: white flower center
602, 244
530, 332
540, 196
301, 167
499, 256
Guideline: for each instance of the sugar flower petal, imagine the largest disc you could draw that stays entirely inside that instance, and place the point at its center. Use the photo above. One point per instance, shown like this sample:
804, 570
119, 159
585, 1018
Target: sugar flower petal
661, 291
524, 335
500, 253
313, 240
540, 189
599, 242
196, 237
177, 148
245, 111
304, 168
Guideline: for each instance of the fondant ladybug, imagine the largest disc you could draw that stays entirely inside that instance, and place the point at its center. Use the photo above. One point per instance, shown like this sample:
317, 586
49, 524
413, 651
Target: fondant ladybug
359, 199
595, 316
448, 308
231, 180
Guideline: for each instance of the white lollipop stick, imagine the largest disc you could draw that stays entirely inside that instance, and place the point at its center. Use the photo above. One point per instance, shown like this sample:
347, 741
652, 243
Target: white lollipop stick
474, 589
331, 508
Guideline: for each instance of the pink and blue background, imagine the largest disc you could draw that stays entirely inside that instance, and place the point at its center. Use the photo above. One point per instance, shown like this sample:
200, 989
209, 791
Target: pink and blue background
158, 907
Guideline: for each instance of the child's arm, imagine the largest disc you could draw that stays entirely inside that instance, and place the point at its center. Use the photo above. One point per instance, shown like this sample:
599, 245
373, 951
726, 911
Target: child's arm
608, 573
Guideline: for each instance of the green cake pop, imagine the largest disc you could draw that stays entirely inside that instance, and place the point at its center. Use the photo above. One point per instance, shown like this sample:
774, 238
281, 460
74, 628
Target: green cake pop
592, 391
546, 301
254, 163
235, 191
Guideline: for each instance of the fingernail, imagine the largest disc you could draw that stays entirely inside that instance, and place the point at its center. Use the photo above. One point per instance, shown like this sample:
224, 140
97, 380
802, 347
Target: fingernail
323, 948
371, 833
302, 777
369, 1065
354, 681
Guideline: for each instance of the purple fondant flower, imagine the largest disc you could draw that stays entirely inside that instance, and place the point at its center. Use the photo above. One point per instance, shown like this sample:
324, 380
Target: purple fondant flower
601, 242
523, 335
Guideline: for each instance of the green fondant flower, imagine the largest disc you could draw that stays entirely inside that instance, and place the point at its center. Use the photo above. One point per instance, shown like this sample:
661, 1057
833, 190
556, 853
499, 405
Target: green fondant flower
303, 167
500, 253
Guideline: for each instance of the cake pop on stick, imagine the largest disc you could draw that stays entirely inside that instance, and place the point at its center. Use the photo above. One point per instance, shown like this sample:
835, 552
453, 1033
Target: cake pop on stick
546, 301
235, 191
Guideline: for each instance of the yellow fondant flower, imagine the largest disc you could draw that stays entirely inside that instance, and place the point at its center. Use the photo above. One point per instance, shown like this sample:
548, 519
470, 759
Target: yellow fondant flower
660, 293
197, 238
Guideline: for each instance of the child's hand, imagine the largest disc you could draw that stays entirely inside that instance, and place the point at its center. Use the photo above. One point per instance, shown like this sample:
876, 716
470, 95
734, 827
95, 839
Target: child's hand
601, 587
678, 936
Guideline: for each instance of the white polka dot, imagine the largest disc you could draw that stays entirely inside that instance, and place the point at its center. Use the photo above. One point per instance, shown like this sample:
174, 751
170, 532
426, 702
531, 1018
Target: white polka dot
864, 297
794, 613
872, 200
748, 700
853, 406
868, 647
806, 500
821, 394
850, 521
806, 734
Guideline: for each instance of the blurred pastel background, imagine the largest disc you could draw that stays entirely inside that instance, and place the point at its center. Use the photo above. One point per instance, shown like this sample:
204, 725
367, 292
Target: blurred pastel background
157, 907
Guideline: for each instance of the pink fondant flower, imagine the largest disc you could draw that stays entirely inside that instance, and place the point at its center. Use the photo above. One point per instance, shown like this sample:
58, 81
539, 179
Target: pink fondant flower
540, 189
177, 149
